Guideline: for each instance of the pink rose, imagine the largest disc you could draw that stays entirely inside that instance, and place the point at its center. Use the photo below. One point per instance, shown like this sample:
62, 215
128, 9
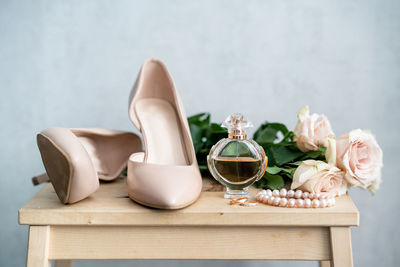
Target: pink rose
316, 176
312, 130
359, 155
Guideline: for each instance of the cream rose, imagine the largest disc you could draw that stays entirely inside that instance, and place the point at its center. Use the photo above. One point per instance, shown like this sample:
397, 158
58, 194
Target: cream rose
311, 130
316, 176
360, 157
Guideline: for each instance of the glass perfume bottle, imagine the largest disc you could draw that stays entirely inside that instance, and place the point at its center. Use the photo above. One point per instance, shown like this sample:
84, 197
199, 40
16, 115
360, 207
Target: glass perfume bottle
237, 162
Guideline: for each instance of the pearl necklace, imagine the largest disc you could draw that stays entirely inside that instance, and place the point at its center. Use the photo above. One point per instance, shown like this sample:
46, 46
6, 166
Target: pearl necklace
292, 199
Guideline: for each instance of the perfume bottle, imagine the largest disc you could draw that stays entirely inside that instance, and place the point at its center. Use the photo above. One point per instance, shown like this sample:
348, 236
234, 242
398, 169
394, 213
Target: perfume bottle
237, 162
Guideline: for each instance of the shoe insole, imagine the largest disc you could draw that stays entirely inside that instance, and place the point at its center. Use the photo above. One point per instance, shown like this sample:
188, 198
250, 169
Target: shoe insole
108, 153
162, 132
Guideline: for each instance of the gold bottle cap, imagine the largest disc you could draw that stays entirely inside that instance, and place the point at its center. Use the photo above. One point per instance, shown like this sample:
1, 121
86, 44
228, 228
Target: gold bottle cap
236, 124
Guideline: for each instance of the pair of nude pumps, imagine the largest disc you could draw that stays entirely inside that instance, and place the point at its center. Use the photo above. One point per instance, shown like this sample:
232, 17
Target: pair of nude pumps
165, 175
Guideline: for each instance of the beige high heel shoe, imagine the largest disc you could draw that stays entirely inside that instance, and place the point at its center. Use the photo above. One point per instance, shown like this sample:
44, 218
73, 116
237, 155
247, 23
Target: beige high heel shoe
166, 175
75, 159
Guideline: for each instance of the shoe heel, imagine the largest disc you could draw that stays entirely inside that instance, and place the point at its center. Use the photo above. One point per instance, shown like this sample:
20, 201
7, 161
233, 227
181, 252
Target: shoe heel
58, 166
39, 179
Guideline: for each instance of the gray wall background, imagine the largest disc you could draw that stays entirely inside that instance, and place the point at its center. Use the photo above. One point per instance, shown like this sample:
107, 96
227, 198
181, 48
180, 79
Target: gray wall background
72, 64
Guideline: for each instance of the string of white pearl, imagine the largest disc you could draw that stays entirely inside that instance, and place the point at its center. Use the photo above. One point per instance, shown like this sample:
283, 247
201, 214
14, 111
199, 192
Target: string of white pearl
295, 199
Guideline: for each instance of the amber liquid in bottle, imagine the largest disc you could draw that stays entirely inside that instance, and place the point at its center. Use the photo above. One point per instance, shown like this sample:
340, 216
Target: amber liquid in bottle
237, 170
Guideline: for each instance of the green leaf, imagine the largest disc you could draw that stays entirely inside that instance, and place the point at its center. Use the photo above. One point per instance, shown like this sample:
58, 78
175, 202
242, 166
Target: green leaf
284, 154
317, 155
201, 119
267, 135
272, 181
203, 167
285, 171
288, 171
214, 133
268, 152
197, 135
279, 126
262, 183
268, 132
273, 170
287, 138
275, 182
296, 163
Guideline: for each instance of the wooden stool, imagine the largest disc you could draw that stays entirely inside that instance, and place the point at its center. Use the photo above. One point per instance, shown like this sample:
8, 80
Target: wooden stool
108, 225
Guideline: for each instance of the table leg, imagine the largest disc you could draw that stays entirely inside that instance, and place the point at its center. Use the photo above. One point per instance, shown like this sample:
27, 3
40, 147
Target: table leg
64, 263
324, 264
38, 247
341, 247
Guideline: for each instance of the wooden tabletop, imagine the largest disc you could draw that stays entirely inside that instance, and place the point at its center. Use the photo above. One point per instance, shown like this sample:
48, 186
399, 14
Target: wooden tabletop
110, 205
